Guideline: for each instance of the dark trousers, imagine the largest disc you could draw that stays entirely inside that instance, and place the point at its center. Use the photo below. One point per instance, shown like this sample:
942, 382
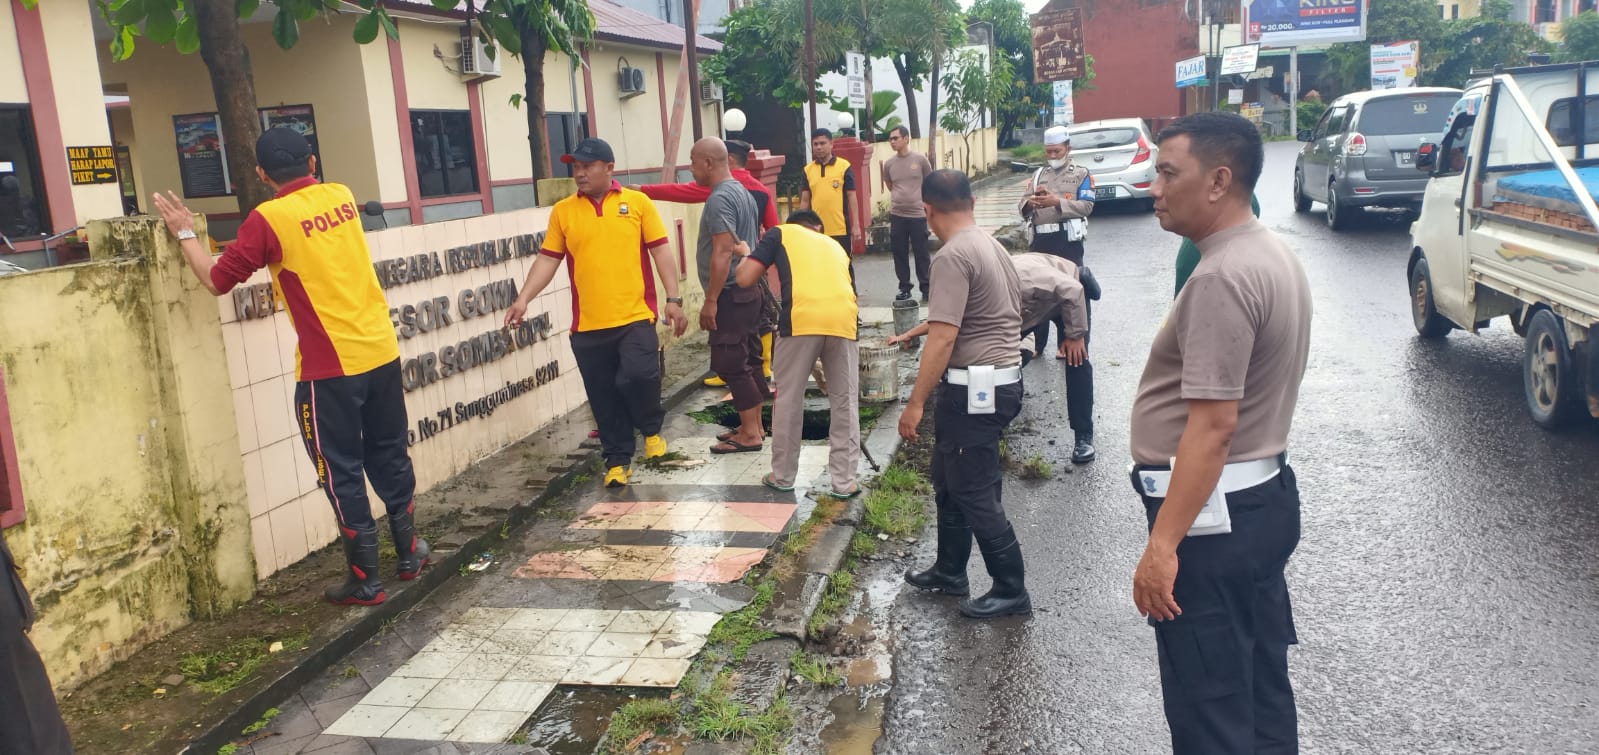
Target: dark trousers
907, 237
621, 370
736, 345
1056, 244
30, 722
966, 470
1224, 661
846, 242
1079, 379
355, 429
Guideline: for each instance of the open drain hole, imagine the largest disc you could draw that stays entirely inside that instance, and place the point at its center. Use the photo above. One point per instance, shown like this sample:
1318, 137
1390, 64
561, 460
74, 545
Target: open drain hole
813, 427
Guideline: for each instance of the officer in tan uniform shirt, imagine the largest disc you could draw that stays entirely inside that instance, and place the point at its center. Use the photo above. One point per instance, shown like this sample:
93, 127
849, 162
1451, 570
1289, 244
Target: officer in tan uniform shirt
1209, 444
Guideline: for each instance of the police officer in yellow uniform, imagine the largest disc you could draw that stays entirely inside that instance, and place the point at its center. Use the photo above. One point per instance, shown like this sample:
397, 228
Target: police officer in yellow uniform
830, 190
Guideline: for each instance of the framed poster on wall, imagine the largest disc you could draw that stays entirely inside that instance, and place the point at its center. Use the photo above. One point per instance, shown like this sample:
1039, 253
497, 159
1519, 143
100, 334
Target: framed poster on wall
301, 118
201, 162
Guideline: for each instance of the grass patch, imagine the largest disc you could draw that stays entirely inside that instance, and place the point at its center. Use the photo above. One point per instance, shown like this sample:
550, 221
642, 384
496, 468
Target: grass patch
640, 717
1027, 152
222, 670
861, 546
1004, 453
905, 480
732, 637
1036, 468
716, 715
265, 721
840, 586
815, 670
895, 512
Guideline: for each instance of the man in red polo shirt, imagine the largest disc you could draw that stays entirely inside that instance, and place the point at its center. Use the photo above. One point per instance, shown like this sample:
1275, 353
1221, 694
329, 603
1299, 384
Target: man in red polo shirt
349, 400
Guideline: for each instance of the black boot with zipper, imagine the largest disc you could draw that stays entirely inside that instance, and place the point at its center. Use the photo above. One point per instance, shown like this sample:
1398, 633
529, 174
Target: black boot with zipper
361, 585
948, 573
412, 551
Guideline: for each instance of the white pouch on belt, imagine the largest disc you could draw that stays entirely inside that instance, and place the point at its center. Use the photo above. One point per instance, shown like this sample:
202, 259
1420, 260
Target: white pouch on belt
1214, 518
1076, 228
980, 389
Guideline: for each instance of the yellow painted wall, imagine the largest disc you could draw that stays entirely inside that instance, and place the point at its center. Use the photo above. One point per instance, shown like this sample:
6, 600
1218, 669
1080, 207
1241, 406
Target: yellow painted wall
508, 151
384, 125
136, 515
325, 70
69, 45
632, 126
12, 87
432, 83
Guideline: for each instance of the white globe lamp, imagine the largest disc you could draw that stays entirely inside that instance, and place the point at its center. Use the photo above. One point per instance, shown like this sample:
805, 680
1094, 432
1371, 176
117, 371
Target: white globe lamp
845, 120
734, 120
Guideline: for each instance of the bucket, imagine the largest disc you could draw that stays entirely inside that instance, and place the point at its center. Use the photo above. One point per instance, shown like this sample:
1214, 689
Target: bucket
879, 376
907, 315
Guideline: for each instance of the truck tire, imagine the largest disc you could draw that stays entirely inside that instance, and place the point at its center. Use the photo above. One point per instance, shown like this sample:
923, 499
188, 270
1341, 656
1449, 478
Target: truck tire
1429, 324
1549, 375
1301, 202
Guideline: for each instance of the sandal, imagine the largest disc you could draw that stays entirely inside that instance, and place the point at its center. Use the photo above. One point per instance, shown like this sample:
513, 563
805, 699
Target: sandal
769, 482
727, 436
854, 491
734, 447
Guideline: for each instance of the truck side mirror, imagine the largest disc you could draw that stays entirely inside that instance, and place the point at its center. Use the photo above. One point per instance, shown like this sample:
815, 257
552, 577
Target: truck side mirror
1426, 156
1303, 135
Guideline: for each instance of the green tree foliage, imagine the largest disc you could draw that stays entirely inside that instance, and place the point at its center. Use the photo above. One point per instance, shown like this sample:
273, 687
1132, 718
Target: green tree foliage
1488, 40
972, 89
1579, 36
763, 54
1013, 40
916, 33
1450, 50
882, 114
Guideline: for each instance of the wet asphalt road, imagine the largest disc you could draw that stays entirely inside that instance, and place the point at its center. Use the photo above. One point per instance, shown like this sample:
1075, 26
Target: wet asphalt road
1445, 588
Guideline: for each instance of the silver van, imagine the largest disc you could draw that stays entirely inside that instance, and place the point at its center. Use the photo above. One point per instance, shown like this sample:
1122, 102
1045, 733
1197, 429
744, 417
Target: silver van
1362, 152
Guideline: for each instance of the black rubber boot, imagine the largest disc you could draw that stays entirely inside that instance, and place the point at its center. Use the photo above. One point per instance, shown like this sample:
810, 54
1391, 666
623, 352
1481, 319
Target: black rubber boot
1083, 448
948, 573
361, 586
412, 551
1008, 596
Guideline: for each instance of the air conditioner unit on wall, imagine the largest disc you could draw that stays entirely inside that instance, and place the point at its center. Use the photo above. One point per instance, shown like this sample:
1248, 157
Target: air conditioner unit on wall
630, 81
710, 91
475, 58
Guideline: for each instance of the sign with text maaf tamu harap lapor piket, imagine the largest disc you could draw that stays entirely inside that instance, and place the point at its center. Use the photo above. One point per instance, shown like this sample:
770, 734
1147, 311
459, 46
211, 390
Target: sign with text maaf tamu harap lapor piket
92, 165
1057, 43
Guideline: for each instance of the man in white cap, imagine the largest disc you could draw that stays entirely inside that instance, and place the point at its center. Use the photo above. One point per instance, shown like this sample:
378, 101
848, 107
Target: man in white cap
1059, 199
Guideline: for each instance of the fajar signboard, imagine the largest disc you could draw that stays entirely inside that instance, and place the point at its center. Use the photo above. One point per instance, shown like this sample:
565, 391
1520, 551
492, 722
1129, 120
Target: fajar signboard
1191, 72
1289, 23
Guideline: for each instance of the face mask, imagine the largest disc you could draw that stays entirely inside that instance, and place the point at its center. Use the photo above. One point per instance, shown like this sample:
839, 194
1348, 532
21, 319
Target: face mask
1061, 163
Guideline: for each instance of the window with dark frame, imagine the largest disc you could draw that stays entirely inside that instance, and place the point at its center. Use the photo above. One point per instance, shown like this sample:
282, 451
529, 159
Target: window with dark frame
446, 155
565, 130
24, 209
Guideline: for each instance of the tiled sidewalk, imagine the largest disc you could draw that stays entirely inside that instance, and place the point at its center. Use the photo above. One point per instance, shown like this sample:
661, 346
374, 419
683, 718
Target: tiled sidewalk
623, 594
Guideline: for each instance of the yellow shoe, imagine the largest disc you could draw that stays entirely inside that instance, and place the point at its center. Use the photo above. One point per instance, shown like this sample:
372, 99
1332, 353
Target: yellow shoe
654, 447
616, 477
715, 382
766, 353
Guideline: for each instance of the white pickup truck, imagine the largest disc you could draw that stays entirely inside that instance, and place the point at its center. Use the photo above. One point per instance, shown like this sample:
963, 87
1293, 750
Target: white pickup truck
1509, 226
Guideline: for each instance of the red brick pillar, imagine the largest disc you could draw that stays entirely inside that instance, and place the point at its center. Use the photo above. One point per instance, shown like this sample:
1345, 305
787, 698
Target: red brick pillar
766, 166
858, 153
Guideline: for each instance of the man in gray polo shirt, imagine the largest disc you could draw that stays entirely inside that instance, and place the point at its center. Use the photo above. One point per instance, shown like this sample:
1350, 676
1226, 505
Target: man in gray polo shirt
972, 359
1209, 444
731, 315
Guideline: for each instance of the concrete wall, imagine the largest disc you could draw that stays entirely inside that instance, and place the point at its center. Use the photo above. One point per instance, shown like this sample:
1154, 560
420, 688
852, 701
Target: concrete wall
132, 525
289, 516
12, 87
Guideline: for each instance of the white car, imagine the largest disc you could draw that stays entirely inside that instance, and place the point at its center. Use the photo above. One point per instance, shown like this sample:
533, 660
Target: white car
1121, 154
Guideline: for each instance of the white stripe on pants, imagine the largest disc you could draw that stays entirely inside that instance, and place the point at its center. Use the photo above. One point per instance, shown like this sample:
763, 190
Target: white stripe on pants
793, 358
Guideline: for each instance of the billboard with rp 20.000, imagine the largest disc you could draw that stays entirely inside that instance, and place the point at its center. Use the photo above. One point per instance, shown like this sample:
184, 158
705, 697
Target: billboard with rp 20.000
1288, 23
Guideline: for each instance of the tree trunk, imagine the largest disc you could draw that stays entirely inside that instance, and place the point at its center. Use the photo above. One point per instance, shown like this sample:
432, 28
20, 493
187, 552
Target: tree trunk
908, 88
538, 142
228, 62
932, 110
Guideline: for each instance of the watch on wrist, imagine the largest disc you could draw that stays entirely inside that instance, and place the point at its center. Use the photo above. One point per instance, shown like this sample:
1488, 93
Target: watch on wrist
186, 234
678, 300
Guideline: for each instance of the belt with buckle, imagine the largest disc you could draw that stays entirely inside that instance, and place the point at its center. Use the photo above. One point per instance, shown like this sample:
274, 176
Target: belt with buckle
1049, 228
1153, 482
1002, 375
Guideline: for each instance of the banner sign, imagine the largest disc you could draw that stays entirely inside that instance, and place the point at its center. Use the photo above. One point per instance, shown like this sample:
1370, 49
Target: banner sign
1191, 72
1393, 66
1057, 43
1287, 23
1063, 103
1239, 59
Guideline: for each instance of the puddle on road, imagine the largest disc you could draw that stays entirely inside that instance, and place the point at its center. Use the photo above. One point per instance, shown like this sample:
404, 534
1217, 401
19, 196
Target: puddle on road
855, 727
575, 718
